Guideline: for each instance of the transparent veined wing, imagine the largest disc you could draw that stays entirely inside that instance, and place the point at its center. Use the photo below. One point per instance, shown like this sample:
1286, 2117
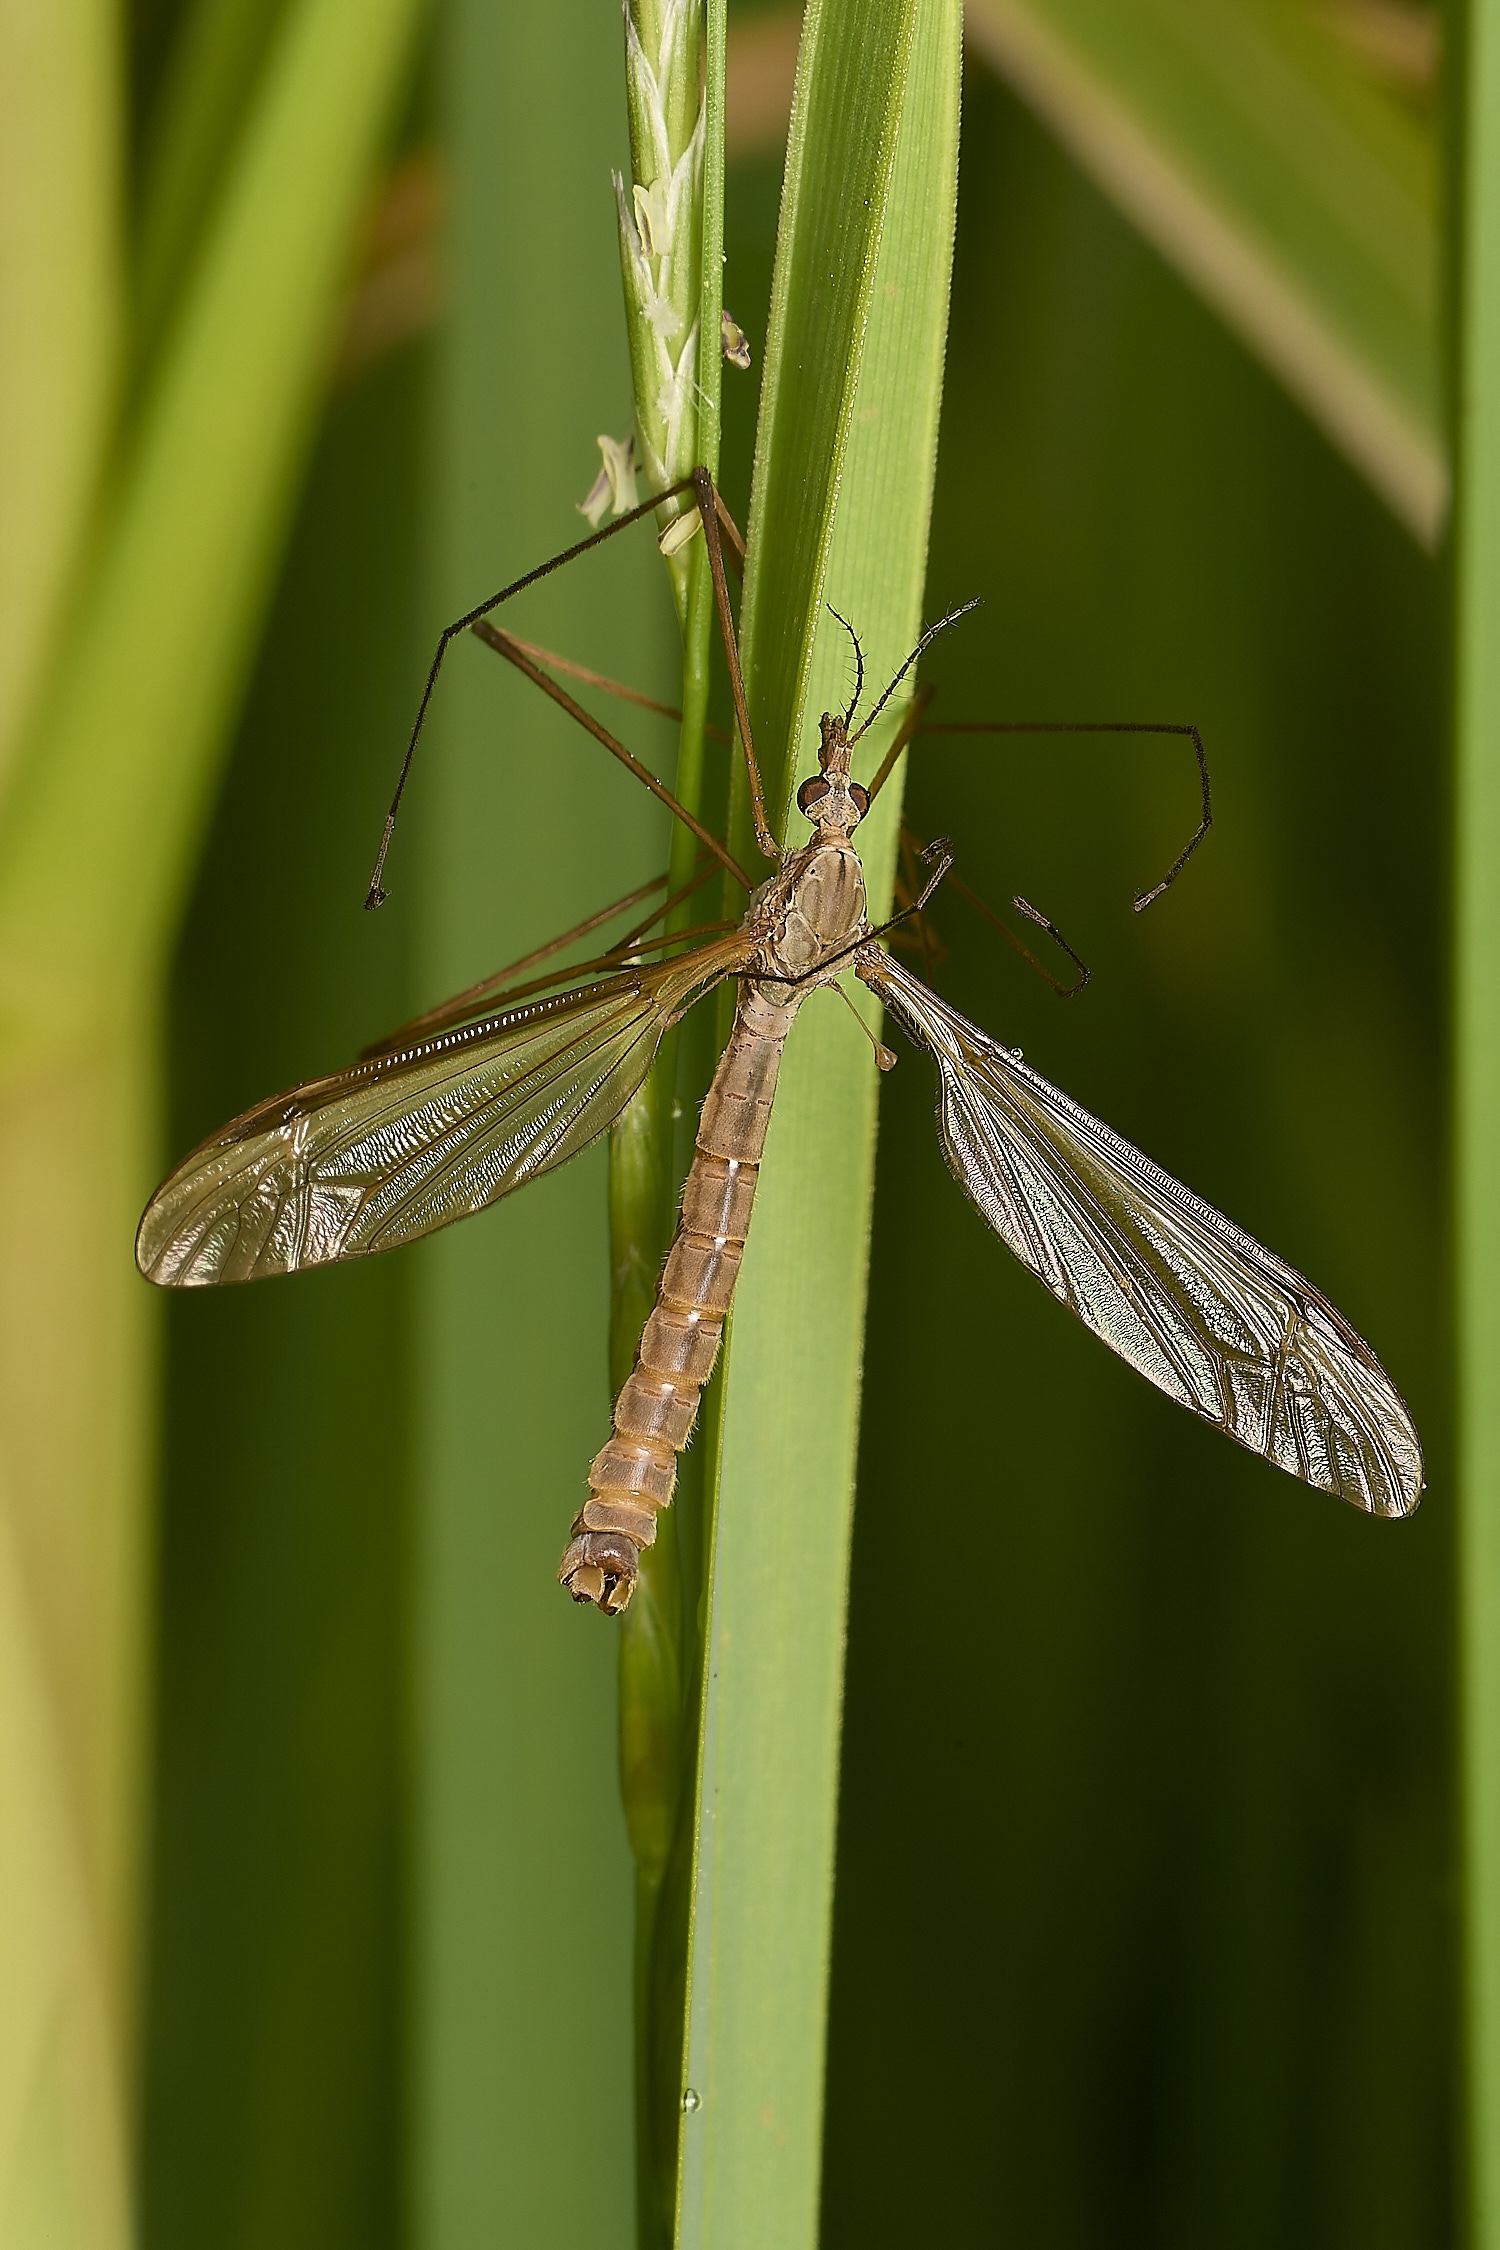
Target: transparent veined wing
1198, 1307
405, 1143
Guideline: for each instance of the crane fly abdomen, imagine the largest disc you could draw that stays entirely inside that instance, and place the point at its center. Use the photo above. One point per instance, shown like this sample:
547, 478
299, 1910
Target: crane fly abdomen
814, 907
635, 1472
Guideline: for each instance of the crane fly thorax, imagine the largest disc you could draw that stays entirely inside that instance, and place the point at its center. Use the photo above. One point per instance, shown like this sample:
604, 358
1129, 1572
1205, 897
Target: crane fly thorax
821, 909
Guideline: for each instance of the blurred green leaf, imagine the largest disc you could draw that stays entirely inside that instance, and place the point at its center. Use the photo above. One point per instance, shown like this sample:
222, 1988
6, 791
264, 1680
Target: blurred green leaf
1477, 1095
1284, 158
103, 815
60, 292
520, 2065
272, 2097
211, 86
102, 810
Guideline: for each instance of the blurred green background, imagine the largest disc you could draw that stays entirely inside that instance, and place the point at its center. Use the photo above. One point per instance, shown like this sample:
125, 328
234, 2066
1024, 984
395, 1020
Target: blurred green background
1145, 1929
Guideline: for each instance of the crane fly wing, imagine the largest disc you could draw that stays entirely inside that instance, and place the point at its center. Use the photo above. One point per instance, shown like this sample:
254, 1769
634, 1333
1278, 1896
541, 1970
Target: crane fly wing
408, 1142
1201, 1310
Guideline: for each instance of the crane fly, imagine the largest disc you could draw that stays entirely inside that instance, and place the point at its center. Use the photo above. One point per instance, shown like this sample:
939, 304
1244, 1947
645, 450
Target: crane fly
504, 1083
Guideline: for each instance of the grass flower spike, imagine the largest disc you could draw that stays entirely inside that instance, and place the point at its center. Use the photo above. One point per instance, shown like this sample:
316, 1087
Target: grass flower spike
661, 233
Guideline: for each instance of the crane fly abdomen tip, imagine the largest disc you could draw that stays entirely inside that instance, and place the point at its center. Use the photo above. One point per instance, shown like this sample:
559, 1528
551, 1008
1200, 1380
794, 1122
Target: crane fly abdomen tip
600, 1567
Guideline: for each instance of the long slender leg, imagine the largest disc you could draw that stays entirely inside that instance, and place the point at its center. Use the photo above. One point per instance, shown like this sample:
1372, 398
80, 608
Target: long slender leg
672, 540
376, 896
469, 1005
623, 944
557, 663
613, 960
885, 1059
702, 485
1024, 906
910, 885
1033, 913
511, 651
736, 538
707, 508
1045, 922
432, 1019
712, 512
1142, 899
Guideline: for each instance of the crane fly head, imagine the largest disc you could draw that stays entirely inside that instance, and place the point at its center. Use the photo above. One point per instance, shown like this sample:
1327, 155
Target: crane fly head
832, 802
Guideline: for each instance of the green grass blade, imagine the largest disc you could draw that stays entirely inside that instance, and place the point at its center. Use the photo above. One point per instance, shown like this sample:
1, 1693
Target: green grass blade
1478, 1097
769, 1776
1289, 168
850, 81
659, 1657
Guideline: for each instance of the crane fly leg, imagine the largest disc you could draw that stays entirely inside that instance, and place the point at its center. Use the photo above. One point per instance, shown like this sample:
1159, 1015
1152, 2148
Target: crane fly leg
885, 1059
511, 650
601, 680
1043, 921
1022, 906
924, 937
375, 895
1142, 899
736, 538
632, 936
500, 988
432, 1019
712, 511
708, 510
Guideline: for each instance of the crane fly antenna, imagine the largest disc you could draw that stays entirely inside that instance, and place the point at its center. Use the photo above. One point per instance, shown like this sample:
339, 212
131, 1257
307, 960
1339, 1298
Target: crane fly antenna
931, 634
916, 711
859, 661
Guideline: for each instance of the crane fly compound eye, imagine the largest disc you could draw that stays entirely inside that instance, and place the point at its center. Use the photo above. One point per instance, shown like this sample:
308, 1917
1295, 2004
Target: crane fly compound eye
861, 798
812, 793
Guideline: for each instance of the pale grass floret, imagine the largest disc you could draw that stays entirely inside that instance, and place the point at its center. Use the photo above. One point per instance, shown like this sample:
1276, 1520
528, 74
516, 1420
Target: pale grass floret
614, 487
660, 220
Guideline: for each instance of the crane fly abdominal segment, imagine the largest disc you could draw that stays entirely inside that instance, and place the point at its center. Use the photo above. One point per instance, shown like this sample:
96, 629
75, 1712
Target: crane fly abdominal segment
507, 1081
